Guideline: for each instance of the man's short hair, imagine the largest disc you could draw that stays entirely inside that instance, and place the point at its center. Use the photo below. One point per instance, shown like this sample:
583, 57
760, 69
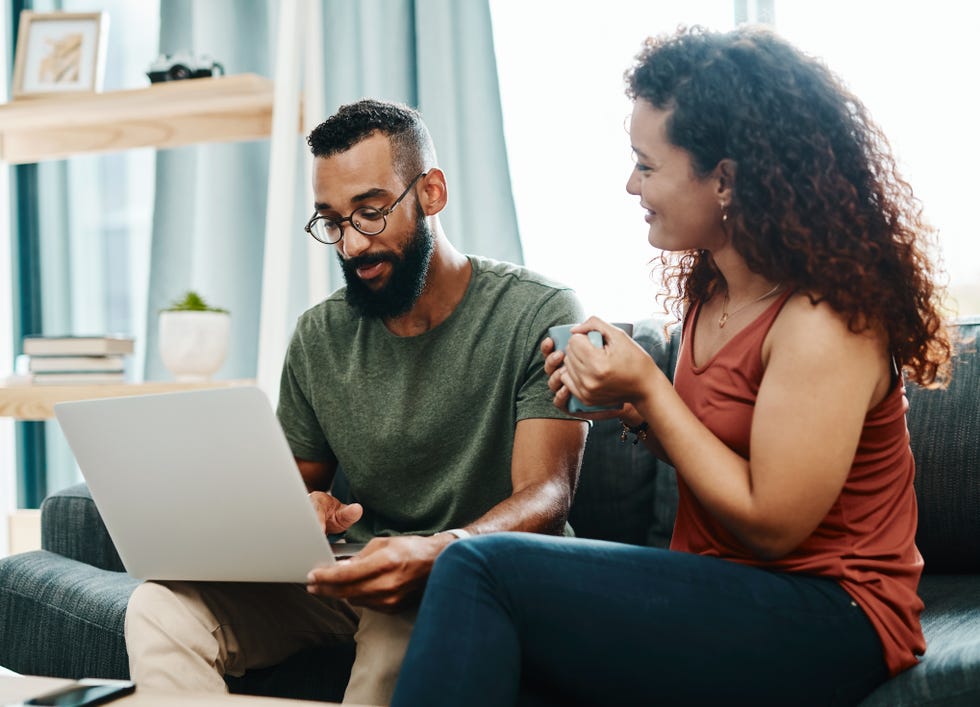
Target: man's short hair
411, 145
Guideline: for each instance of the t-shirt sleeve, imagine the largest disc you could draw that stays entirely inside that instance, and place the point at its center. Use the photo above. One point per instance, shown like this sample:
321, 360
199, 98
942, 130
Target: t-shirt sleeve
535, 400
296, 415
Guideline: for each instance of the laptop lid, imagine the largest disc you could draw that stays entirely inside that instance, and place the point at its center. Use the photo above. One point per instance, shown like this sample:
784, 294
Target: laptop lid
197, 485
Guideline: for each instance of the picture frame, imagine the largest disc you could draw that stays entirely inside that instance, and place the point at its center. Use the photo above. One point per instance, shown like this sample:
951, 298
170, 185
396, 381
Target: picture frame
59, 53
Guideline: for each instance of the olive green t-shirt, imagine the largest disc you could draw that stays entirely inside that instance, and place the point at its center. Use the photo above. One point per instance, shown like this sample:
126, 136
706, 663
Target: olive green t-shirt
423, 426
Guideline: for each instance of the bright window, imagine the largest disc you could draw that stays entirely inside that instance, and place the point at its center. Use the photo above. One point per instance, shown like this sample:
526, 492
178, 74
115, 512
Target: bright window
560, 67
914, 66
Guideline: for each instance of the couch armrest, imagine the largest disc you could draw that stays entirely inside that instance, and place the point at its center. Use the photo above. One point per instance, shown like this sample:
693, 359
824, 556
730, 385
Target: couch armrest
62, 618
72, 527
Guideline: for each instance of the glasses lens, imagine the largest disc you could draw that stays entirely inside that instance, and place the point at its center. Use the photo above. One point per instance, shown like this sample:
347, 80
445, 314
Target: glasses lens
325, 231
368, 221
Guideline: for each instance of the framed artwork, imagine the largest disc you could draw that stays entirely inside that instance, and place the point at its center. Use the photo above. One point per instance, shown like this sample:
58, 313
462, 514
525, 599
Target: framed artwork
59, 53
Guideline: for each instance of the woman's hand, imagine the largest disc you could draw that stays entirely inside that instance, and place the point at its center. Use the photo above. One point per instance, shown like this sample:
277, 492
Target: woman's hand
553, 361
613, 375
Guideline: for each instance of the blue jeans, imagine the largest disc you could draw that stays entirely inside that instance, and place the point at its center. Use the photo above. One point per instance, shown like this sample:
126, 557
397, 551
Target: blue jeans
516, 618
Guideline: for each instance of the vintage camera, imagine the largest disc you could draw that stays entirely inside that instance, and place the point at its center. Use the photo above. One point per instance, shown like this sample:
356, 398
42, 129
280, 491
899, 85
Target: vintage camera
183, 65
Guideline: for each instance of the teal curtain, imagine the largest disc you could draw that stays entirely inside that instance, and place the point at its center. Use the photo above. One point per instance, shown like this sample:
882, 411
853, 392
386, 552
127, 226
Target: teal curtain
438, 56
209, 212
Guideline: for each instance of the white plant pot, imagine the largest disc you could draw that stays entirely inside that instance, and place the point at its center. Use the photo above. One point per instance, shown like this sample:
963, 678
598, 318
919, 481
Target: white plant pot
193, 345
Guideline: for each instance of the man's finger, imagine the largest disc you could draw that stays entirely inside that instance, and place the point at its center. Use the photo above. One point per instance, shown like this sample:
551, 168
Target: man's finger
348, 515
341, 518
363, 567
342, 573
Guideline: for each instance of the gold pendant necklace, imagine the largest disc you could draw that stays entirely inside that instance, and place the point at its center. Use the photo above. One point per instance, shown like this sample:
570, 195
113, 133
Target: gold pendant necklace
726, 315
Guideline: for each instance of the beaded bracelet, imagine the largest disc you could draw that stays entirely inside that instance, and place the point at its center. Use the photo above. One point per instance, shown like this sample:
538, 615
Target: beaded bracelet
639, 432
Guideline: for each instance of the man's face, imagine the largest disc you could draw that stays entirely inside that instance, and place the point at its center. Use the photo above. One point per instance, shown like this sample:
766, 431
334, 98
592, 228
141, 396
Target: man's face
406, 279
386, 273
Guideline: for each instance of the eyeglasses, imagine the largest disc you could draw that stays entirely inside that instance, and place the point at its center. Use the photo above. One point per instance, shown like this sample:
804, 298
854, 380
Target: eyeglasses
366, 220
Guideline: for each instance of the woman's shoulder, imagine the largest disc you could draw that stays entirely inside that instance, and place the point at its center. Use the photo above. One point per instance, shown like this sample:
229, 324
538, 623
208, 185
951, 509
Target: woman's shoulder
811, 338
812, 323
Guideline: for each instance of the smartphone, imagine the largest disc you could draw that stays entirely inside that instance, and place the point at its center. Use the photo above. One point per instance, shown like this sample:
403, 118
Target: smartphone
83, 693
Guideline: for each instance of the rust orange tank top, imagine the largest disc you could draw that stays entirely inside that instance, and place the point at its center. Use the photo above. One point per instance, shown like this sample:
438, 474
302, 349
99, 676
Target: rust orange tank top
866, 541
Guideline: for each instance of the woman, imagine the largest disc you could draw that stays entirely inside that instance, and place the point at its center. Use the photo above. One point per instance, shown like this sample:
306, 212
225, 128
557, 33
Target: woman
800, 273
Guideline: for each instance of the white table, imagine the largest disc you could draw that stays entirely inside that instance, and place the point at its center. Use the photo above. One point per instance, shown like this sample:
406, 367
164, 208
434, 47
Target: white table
14, 689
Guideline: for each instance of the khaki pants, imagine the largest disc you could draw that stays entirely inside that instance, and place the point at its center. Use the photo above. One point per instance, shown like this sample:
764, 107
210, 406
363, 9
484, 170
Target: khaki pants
185, 636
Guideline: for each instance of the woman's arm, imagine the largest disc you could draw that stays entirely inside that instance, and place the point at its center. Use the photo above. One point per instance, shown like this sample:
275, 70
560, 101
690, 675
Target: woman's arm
820, 380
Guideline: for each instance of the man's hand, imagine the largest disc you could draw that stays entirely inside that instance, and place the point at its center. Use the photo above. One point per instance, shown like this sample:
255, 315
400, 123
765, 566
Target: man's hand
334, 516
388, 575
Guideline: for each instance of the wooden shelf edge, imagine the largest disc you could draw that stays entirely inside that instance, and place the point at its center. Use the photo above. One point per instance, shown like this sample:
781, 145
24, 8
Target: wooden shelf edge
159, 99
170, 114
36, 402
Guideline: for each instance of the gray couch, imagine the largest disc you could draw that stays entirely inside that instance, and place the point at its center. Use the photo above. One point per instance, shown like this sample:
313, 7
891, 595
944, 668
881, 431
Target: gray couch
62, 608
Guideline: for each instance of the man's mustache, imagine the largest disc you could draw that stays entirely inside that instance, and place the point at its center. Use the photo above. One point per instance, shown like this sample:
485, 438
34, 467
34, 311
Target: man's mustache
363, 261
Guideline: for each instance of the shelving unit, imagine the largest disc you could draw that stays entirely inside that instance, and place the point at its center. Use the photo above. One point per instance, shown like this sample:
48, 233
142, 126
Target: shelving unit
220, 109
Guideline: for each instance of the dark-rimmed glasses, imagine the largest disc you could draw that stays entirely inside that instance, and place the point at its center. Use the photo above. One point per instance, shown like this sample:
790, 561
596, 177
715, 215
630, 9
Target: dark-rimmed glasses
367, 220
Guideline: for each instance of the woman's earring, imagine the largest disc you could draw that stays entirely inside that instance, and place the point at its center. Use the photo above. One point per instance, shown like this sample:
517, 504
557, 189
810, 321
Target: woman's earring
724, 213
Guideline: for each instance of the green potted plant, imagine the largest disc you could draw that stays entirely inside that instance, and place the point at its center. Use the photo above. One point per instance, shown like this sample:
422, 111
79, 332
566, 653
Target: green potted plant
193, 338
192, 302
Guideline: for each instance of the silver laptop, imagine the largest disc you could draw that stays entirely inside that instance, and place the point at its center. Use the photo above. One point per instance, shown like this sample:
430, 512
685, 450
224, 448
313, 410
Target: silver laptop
197, 485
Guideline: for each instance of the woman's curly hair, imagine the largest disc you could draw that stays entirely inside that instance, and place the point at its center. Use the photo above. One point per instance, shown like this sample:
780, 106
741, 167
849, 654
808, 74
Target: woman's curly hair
817, 201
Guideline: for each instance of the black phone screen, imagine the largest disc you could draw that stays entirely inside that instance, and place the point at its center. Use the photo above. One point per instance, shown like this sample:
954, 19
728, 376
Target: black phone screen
81, 695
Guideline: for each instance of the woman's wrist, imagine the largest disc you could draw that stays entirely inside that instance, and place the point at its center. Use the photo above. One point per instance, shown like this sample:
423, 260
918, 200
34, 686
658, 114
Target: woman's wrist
631, 414
633, 424
639, 432
631, 417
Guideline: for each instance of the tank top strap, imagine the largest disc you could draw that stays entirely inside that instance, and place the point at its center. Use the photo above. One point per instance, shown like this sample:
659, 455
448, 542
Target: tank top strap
749, 338
765, 320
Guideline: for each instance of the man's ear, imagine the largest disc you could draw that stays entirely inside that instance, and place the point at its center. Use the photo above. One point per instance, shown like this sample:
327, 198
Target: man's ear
724, 175
434, 194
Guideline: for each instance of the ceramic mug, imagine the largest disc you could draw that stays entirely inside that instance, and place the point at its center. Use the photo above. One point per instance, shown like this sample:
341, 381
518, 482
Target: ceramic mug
561, 334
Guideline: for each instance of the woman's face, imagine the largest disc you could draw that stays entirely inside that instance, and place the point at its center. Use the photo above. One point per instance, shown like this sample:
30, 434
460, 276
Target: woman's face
684, 211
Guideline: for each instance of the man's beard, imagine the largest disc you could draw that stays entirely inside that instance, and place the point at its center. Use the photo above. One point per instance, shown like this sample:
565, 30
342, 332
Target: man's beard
405, 283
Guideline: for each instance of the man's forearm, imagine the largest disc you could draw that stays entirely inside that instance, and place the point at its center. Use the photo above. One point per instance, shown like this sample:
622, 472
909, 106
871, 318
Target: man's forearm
317, 476
540, 507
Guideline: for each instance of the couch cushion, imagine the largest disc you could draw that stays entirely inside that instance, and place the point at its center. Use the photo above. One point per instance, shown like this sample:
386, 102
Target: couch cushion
945, 430
948, 675
625, 494
72, 527
319, 673
616, 488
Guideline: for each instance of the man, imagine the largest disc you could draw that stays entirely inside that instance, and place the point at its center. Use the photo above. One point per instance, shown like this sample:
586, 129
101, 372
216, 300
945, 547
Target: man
423, 381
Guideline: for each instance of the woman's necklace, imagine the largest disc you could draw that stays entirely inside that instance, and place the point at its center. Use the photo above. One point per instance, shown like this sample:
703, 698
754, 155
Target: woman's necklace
726, 315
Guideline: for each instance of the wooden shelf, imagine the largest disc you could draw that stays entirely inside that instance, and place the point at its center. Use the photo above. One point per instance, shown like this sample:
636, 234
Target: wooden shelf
36, 402
219, 109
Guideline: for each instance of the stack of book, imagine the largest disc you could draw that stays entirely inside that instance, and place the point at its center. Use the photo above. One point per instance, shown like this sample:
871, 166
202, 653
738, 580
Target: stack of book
76, 360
